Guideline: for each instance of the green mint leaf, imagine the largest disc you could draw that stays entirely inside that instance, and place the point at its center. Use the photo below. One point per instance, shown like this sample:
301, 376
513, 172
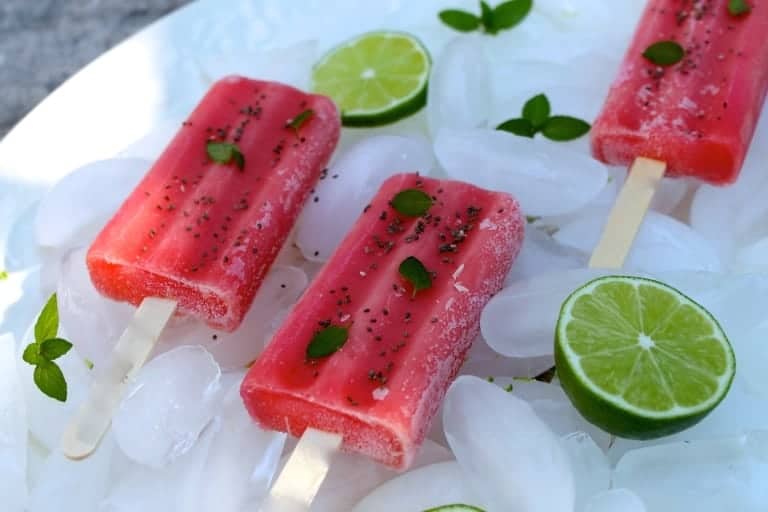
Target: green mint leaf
530, 219
521, 127
509, 388
54, 348
412, 202
564, 128
31, 354
326, 342
297, 122
414, 271
50, 380
3, 275
225, 153
47, 324
88, 363
486, 16
664, 53
546, 376
537, 111
739, 7
509, 14
462, 21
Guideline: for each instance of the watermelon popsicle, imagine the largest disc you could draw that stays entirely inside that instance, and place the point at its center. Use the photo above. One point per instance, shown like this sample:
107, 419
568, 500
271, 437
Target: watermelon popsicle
697, 115
200, 231
370, 349
203, 228
685, 103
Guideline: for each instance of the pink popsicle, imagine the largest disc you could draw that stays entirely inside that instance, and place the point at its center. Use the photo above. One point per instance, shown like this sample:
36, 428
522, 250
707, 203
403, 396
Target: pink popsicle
403, 347
205, 233
698, 115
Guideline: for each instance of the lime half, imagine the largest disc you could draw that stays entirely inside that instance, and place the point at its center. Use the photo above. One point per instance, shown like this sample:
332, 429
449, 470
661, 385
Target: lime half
639, 359
376, 78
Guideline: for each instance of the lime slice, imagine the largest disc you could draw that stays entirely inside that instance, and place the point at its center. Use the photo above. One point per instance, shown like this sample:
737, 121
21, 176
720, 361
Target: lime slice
455, 508
376, 78
639, 359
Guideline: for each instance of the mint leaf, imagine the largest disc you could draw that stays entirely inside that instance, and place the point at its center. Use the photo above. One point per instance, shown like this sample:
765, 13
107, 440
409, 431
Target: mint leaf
54, 348
462, 21
739, 7
31, 354
412, 202
47, 324
326, 342
546, 375
509, 14
297, 122
50, 380
88, 363
225, 153
537, 110
414, 271
664, 53
486, 16
564, 128
521, 127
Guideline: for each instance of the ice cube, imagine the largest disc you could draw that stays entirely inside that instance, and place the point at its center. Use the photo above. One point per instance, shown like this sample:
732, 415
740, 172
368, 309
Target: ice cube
65, 485
705, 476
349, 185
92, 322
662, 244
520, 320
511, 459
547, 178
234, 351
713, 212
172, 399
615, 500
459, 99
541, 254
424, 488
21, 249
242, 459
591, 468
76, 208
352, 477
290, 65
13, 430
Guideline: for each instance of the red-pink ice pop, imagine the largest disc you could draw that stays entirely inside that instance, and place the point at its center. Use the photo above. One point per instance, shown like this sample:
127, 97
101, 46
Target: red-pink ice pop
403, 346
205, 233
698, 115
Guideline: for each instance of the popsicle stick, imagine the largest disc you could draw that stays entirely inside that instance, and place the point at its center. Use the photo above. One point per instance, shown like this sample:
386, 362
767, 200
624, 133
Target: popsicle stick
296, 487
85, 431
628, 213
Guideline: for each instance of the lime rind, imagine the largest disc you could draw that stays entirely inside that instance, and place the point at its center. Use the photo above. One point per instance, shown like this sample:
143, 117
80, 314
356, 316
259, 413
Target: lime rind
667, 409
395, 94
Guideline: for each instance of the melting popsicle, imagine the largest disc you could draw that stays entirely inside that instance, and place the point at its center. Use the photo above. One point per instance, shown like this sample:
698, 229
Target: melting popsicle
207, 221
370, 349
685, 103
201, 230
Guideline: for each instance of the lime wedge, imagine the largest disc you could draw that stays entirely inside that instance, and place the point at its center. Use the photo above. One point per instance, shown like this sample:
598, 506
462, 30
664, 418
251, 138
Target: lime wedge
375, 78
455, 508
639, 359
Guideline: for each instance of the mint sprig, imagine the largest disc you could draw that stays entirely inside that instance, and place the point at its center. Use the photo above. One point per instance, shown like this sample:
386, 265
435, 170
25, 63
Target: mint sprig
46, 348
414, 271
225, 153
491, 20
739, 7
537, 118
664, 53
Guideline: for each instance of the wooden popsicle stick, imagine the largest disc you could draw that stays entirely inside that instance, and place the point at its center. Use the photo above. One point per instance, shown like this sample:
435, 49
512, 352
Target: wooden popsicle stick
87, 428
300, 480
628, 213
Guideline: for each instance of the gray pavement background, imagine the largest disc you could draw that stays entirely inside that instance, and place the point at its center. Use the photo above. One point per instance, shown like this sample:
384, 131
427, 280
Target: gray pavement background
44, 42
